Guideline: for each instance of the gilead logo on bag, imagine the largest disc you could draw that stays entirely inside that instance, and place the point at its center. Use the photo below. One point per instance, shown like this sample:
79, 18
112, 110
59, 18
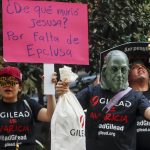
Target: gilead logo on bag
82, 121
79, 132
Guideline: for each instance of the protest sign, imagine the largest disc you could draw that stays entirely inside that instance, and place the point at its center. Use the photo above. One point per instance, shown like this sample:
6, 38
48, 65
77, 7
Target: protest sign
45, 32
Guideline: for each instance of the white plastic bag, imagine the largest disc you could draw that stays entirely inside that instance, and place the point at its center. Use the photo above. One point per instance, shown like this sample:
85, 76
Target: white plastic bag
68, 124
67, 74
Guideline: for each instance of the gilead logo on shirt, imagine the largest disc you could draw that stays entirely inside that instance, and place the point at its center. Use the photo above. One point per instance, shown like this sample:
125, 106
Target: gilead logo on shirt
24, 114
96, 100
143, 123
121, 103
111, 127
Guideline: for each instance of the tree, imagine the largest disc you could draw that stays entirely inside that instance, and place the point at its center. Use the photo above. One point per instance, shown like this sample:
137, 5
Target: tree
113, 23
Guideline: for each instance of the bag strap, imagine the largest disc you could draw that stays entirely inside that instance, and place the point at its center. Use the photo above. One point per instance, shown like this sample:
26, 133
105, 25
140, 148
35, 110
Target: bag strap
27, 104
114, 100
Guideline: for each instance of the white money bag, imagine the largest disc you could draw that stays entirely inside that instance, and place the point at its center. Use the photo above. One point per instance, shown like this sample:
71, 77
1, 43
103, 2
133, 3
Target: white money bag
68, 124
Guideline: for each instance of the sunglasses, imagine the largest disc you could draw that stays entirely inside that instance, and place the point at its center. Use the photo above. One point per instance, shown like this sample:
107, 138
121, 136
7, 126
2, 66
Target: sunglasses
8, 81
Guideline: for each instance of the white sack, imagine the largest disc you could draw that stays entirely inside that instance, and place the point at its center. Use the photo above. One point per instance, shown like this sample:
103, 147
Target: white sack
68, 124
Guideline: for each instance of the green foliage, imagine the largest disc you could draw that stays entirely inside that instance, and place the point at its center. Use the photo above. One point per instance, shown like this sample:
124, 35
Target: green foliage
114, 22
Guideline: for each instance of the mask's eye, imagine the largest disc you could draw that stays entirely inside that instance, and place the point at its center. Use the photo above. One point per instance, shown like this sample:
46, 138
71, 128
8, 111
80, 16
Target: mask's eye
124, 70
114, 69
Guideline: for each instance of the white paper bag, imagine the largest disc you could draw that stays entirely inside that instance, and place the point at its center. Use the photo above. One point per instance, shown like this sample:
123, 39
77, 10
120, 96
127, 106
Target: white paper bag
68, 124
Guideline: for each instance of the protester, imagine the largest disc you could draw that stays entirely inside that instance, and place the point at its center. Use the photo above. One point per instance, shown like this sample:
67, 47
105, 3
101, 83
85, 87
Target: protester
139, 81
18, 116
111, 124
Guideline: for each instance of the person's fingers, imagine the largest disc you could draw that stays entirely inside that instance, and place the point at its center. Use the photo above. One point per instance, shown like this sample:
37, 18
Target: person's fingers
61, 88
54, 78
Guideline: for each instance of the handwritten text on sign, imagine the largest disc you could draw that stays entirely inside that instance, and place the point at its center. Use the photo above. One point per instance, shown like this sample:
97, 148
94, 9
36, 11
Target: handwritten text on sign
45, 32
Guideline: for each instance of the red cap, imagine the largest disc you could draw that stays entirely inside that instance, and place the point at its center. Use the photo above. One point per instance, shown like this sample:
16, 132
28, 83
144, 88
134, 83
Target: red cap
12, 71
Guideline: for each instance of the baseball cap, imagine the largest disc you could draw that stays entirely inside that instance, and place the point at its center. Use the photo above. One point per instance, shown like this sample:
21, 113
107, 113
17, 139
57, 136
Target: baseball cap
12, 71
136, 51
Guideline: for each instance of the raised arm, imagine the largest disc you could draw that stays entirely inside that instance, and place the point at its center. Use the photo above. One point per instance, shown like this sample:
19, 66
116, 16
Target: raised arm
45, 114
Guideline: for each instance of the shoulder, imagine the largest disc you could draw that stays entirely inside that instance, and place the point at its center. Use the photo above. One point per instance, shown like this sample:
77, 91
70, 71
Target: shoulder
33, 105
136, 94
92, 88
147, 94
138, 97
32, 102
